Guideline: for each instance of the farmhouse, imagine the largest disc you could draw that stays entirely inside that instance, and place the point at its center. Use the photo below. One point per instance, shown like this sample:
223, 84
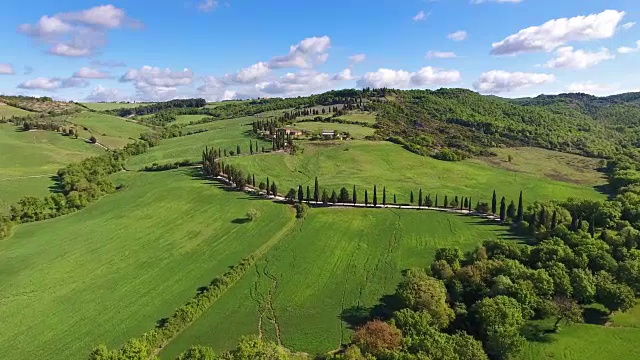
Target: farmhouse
292, 132
328, 134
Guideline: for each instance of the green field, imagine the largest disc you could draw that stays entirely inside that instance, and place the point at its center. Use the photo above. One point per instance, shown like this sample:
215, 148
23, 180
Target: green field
355, 131
225, 134
112, 106
552, 164
28, 159
7, 111
366, 163
111, 131
185, 119
110, 271
337, 260
586, 341
360, 117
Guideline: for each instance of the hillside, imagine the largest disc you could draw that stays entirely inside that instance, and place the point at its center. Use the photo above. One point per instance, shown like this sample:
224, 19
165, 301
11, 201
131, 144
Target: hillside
40, 105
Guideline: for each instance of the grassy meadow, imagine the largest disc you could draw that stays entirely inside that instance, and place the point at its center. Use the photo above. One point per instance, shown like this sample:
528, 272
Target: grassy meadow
365, 163
225, 134
337, 263
356, 131
29, 159
111, 131
110, 271
185, 119
7, 111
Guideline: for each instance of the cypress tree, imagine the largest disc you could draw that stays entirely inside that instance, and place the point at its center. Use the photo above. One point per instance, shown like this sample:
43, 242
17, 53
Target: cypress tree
308, 195
325, 197
520, 214
532, 222
300, 194
554, 219
466, 203
253, 181
375, 196
469, 204
503, 209
316, 191
225, 152
257, 146
251, 147
494, 203
461, 207
543, 217
268, 188
592, 226
366, 198
511, 211
274, 189
411, 198
355, 195
237, 149
420, 198
384, 196
334, 197
436, 204
446, 202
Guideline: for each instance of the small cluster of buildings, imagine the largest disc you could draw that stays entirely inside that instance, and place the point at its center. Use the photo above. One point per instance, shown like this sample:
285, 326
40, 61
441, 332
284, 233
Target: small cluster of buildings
325, 134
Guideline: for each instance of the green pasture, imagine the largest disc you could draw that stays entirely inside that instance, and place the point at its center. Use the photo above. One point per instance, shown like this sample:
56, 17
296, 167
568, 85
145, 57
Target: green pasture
336, 264
224, 134
110, 271
355, 131
185, 119
111, 131
365, 163
7, 111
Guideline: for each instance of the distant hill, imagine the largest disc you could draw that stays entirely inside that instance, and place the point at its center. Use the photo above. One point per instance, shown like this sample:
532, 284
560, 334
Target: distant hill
40, 105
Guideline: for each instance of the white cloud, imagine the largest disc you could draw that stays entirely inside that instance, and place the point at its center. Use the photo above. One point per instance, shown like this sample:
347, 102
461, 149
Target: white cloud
214, 90
357, 58
401, 79
566, 57
6, 69
90, 73
440, 55
459, 35
251, 74
629, 50
420, 16
628, 25
305, 54
207, 5
344, 75
496, 1
499, 81
591, 88
100, 93
79, 33
557, 32
300, 83
52, 84
156, 84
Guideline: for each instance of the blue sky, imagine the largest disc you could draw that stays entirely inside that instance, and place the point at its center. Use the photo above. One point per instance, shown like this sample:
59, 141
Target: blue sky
130, 50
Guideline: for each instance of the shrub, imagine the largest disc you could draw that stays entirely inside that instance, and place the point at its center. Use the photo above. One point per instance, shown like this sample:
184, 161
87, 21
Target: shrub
252, 214
301, 210
377, 338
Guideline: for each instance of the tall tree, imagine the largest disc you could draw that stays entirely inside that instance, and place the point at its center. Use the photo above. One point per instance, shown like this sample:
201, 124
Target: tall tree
446, 202
503, 209
469, 204
466, 203
420, 198
411, 198
238, 149
268, 188
511, 211
436, 203
520, 214
300, 194
366, 198
592, 226
253, 180
308, 195
274, 189
384, 196
355, 194
494, 203
316, 191
375, 196
554, 219
251, 147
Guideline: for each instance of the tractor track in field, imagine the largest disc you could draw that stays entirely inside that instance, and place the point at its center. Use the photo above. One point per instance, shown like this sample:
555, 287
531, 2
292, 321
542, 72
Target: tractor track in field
257, 296
270, 300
